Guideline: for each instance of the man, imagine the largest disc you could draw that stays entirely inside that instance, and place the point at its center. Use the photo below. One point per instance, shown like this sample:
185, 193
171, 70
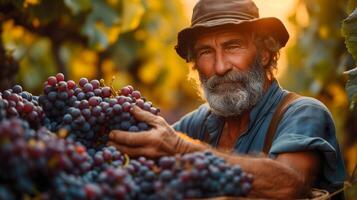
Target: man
235, 53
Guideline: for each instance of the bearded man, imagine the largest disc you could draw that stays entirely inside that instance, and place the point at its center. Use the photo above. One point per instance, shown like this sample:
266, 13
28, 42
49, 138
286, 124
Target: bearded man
235, 53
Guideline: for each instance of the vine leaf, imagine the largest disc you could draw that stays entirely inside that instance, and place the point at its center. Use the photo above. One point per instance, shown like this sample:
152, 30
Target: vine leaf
78, 5
349, 31
351, 86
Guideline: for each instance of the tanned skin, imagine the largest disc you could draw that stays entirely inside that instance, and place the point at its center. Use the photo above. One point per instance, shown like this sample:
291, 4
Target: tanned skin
287, 176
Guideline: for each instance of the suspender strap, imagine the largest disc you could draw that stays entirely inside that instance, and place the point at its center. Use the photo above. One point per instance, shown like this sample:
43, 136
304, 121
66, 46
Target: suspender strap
277, 116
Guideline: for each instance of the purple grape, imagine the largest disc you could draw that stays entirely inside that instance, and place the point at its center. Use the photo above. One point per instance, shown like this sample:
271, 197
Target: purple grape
96, 111
125, 91
59, 77
136, 94
67, 118
146, 106
143, 126
97, 92
71, 84
81, 96
52, 81
89, 95
62, 86
106, 92
17, 89
88, 87
95, 83
84, 104
126, 106
117, 109
83, 81
134, 129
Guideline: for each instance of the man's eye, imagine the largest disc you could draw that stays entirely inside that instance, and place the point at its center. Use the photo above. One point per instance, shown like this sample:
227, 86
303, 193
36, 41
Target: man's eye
205, 52
232, 47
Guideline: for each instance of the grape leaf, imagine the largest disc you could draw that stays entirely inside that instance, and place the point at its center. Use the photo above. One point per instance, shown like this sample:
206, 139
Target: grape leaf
101, 15
351, 86
132, 12
349, 31
77, 6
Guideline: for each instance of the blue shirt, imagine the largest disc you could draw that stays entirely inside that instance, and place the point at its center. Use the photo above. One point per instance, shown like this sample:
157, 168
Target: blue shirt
306, 125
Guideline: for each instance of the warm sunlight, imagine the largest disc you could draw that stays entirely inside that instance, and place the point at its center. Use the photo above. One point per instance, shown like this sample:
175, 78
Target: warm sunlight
267, 8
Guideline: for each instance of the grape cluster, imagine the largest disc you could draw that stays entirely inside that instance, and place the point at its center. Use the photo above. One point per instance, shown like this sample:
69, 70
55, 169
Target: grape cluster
75, 164
110, 183
33, 157
19, 103
90, 111
194, 175
39, 162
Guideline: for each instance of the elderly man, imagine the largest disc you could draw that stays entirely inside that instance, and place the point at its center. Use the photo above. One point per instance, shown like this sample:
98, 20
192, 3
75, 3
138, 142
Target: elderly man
235, 53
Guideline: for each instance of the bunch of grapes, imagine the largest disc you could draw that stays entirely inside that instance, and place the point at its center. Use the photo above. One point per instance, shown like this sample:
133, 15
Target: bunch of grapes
75, 164
111, 183
107, 179
90, 111
19, 103
193, 175
34, 157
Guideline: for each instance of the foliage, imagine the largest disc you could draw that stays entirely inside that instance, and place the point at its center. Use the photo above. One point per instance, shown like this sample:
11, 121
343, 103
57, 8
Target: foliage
319, 57
350, 33
132, 40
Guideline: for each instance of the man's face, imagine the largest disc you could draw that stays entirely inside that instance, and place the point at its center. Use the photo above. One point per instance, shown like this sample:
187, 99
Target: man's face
230, 71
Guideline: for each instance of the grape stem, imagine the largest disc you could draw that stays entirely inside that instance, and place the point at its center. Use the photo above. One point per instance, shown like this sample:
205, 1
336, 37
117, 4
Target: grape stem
112, 89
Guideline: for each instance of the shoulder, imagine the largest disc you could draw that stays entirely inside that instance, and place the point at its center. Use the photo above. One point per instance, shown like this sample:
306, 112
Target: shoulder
305, 102
307, 114
307, 125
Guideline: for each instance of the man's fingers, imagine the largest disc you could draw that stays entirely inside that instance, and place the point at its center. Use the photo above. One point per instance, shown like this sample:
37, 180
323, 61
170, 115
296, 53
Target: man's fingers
130, 138
145, 116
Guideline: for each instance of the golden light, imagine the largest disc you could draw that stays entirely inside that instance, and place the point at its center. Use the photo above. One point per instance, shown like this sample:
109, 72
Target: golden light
267, 8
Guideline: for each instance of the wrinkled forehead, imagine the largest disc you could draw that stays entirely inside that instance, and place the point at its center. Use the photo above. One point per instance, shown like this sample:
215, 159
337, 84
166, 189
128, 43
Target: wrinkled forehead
243, 32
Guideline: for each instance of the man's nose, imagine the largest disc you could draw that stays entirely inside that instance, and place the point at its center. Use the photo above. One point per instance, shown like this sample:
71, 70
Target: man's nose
221, 67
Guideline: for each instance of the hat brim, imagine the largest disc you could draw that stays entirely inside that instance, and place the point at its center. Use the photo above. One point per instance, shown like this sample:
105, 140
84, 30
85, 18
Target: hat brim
267, 26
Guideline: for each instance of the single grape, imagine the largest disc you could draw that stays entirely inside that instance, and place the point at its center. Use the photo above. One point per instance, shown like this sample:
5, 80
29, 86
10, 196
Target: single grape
59, 77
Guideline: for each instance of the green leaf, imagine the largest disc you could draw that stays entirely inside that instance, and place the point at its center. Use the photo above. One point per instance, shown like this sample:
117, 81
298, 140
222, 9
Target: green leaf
77, 6
349, 31
97, 39
351, 86
101, 15
133, 10
104, 13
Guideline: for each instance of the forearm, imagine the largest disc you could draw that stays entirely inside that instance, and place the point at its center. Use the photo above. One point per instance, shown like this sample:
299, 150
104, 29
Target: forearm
271, 179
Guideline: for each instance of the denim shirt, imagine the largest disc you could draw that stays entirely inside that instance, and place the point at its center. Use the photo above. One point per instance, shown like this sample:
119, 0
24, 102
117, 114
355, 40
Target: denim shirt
306, 125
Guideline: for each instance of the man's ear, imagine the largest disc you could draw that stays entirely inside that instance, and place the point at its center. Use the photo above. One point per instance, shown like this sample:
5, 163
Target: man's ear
265, 57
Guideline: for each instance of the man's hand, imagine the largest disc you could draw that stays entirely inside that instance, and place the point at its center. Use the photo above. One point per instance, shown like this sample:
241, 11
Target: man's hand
160, 140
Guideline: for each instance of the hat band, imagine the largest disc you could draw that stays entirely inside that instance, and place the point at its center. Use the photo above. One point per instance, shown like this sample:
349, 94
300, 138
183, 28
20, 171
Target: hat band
226, 15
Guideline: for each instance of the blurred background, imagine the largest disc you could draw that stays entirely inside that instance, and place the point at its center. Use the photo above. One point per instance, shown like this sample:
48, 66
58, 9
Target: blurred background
134, 41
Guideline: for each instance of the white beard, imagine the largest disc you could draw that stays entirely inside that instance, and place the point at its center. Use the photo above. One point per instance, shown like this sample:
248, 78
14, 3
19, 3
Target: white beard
234, 92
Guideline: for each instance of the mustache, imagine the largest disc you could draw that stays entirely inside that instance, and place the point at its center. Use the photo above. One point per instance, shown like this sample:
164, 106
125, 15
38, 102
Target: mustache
232, 77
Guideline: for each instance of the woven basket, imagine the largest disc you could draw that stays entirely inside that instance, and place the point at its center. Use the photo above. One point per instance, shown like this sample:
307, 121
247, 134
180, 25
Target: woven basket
316, 194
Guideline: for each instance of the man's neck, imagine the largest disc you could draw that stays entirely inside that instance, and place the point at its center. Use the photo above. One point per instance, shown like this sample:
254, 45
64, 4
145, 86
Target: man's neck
234, 127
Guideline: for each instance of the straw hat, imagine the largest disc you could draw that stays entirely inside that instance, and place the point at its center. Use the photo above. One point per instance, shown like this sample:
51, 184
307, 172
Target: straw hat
208, 14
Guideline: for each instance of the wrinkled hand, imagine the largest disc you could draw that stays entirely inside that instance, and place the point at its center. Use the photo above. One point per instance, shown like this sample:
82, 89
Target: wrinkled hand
159, 141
